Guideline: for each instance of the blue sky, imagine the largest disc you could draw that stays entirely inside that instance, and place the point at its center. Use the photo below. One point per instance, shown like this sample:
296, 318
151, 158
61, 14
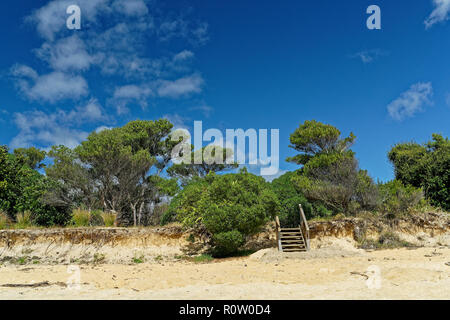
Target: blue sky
231, 64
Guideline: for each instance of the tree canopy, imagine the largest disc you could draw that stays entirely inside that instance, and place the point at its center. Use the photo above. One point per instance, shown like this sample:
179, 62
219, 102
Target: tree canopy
230, 207
425, 166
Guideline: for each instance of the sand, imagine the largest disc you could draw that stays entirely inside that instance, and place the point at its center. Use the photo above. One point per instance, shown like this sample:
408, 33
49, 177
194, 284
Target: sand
323, 273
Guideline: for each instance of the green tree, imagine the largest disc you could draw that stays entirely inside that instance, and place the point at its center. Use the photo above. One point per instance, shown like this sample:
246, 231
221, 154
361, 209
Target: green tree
116, 170
8, 181
330, 173
33, 157
425, 166
24, 189
231, 207
289, 198
313, 139
214, 160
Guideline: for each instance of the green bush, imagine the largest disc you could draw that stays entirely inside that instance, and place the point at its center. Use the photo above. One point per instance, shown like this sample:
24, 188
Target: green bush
227, 242
425, 166
396, 197
231, 207
289, 199
168, 217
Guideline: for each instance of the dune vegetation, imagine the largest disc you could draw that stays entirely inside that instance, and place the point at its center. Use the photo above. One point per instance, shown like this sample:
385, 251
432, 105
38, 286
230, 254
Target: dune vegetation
125, 177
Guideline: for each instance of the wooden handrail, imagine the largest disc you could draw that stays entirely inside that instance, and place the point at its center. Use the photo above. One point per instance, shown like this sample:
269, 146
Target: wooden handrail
304, 226
277, 223
278, 226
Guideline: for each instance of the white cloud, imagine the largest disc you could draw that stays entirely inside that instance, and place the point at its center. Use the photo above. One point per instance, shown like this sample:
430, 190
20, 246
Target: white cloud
183, 55
411, 101
102, 128
440, 13
181, 87
47, 129
447, 99
115, 51
50, 87
39, 128
90, 112
205, 109
179, 122
368, 56
66, 54
273, 177
131, 7
196, 33
130, 94
51, 18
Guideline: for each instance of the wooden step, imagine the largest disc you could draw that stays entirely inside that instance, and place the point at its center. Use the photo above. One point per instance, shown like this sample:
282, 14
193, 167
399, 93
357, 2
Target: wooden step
291, 237
292, 241
289, 229
290, 233
291, 246
295, 250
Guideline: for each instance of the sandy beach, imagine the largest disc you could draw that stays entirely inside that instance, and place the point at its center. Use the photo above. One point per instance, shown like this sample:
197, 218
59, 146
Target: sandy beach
422, 273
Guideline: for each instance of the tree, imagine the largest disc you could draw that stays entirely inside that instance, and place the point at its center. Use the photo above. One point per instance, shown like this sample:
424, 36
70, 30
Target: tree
73, 182
210, 154
330, 173
290, 198
8, 181
314, 138
24, 189
116, 170
231, 207
33, 157
425, 166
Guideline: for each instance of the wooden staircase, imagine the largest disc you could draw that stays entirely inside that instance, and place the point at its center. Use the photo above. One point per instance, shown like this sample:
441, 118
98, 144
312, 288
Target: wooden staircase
293, 239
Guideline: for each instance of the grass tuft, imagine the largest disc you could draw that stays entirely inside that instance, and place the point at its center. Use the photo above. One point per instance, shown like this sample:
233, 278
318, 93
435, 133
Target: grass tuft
81, 218
109, 218
4, 221
24, 220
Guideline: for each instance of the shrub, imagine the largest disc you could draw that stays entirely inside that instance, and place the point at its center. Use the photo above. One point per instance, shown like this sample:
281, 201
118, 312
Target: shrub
96, 219
109, 219
386, 240
168, 217
203, 258
426, 166
289, 199
184, 206
227, 242
81, 218
230, 207
396, 197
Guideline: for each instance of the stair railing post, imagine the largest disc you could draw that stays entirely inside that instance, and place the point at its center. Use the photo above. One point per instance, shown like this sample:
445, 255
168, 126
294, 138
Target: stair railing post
278, 227
304, 226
